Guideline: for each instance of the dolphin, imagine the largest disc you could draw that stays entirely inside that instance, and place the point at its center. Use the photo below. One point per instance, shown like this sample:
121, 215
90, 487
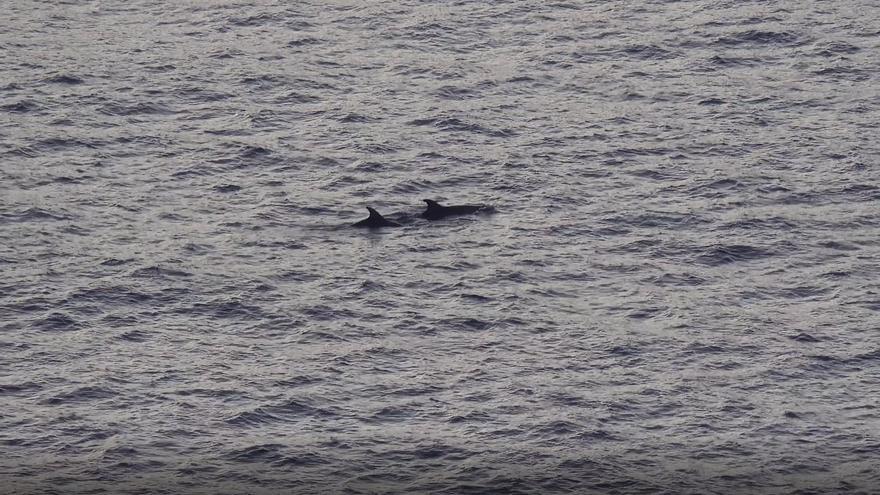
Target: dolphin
375, 220
436, 211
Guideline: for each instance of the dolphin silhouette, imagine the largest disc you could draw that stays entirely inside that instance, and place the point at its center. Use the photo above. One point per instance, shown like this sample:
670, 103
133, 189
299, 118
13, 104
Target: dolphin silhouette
436, 211
375, 220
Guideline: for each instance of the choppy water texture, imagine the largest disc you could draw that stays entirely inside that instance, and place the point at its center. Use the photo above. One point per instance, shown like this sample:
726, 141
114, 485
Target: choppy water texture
678, 292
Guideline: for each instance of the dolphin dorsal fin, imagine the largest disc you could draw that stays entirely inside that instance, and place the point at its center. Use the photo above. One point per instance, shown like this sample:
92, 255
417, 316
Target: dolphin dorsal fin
375, 214
432, 204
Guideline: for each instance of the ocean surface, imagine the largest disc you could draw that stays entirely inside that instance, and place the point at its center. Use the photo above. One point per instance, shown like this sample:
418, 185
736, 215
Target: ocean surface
678, 292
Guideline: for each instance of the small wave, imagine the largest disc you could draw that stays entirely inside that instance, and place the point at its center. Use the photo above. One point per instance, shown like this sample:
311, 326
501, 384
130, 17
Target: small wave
725, 254
64, 79
225, 309
755, 37
730, 61
354, 118
24, 106
227, 188
678, 279
260, 19
31, 215
296, 97
648, 52
303, 42
289, 411
58, 322
118, 109
16, 388
116, 294
465, 324
135, 336
835, 48
455, 93
158, 272
326, 313
845, 73
82, 394
750, 224
452, 124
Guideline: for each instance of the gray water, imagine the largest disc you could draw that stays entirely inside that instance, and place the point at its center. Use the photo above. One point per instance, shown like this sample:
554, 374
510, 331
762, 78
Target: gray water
678, 291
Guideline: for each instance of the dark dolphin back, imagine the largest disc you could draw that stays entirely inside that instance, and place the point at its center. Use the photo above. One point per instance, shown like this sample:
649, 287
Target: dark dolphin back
436, 211
375, 220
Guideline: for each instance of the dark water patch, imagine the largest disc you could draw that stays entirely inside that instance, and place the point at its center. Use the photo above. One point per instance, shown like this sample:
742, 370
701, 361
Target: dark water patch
804, 337
637, 246
867, 357
111, 295
136, 108
305, 41
32, 215
273, 454
58, 322
463, 324
298, 381
847, 73
211, 393
201, 95
734, 253
64, 79
354, 118
677, 280
648, 52
653, 174
295, 97
717, 185
159, 272
225, 309
624, 153
476, 298
283, 244
239, 156
837, 274
839, 245
455, 93
296, 276
802, 292
23, 106
197, 249
773, 188
227, 188
159, 68
267, 82
711, 102
82, 394
724, 62
23, 151
194, 171
673, 220
757, 37
393, 414
19, 388
646, 313
326, 313
452, 124
287, 412
471, 417
835, 49
65, 180
763, 224
120, 321
135, 336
